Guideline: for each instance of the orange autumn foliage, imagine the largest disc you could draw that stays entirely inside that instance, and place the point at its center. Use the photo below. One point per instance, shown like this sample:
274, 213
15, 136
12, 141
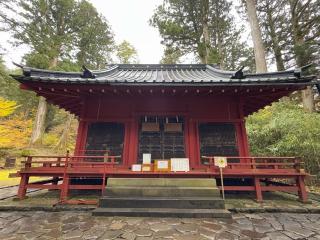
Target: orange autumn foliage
7, 107
15, 131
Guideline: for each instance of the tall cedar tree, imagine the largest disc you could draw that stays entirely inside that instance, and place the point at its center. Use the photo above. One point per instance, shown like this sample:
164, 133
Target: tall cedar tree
203, 27
291, 31
259, 50
171, 56
56, 30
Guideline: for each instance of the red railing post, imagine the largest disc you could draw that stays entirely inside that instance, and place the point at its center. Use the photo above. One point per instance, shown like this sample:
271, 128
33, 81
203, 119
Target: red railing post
297, 164
65, 184
28, 162
103, 179
303, 195
258, 189
24, 180
58, 161
112, 161
253, 162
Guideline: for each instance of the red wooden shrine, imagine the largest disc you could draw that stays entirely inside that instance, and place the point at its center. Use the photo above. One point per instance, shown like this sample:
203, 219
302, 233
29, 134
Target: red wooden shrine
114, 106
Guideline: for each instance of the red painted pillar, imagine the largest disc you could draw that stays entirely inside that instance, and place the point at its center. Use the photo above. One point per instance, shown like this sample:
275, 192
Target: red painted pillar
258, 189
79, 137
194, 151
245, 151
186, 137
133, 142
245, 141
23, 186
303, 195
126, 144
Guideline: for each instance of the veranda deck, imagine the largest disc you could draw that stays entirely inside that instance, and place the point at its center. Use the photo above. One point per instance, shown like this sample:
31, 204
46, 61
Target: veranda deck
257, 169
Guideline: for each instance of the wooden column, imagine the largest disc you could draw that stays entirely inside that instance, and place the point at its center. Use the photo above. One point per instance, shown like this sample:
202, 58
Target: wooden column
126, 144
23, 186
79, 137
258, 189
133, 142
243, 132
194, 151
64, 189
303, 195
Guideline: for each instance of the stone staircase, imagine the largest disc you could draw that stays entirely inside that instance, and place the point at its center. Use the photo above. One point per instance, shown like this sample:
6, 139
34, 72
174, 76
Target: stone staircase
162, 197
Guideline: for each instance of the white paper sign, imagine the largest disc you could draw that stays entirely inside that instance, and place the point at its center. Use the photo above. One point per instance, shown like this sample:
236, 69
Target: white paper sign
163, 164
136, 168
220, 162
146, 158
180, 165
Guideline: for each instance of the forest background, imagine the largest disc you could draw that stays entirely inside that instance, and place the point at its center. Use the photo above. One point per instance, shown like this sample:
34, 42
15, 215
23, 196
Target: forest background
67, 34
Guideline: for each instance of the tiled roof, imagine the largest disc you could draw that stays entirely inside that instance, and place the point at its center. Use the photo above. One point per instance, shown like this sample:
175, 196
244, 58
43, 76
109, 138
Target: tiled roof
161, 74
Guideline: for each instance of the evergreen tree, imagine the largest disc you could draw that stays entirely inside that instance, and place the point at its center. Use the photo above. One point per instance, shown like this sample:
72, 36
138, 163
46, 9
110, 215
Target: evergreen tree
259, 50
126, 53
291, 31
205, 28
55, 31
171, 56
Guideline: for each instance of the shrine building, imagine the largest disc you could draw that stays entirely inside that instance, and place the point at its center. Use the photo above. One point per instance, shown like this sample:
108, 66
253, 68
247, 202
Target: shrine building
191, 111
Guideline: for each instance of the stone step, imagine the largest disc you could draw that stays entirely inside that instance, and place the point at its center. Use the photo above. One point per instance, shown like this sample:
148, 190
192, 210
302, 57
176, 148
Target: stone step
158, 202
162, 212
161, 182
126, 191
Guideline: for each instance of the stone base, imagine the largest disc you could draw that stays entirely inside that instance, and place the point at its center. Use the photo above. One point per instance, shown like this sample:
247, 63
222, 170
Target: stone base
162, 212
162, 197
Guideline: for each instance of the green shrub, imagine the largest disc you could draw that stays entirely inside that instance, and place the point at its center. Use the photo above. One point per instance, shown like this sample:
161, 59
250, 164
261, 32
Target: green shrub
285, 129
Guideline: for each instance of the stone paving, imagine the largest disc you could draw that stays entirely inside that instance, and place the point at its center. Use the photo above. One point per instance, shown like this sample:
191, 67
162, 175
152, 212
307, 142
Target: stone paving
81, 225
7, 192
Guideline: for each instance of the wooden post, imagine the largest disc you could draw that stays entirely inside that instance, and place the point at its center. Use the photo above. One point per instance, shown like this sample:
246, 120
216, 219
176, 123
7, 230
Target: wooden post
258, 189
65, 183
28, 162
103, 179
23, 186
303, 195
64, 189
253, 163
222, 185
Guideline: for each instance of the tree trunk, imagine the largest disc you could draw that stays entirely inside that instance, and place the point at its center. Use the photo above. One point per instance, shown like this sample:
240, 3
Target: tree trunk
206, 42
62, 144
307, 99
219, 35
298, 42
40, 120
39, 123
275, 39
259, 51
203, 59
205, 29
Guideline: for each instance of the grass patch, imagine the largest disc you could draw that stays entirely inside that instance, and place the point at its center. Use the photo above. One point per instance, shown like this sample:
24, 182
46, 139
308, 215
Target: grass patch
270, 199
6, 181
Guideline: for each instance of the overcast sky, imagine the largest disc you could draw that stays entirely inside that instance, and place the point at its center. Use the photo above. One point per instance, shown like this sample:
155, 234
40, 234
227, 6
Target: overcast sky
129, 21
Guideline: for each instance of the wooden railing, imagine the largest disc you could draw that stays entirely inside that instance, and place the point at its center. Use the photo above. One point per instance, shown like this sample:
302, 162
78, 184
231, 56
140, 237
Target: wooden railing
258, 162
93, 152
70, 161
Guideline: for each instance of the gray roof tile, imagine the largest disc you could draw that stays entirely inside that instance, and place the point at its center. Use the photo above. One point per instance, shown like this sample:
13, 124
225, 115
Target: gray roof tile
159, 74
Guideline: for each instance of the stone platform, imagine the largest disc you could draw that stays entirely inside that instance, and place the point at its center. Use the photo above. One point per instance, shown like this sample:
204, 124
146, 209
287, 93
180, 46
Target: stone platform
162, 197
